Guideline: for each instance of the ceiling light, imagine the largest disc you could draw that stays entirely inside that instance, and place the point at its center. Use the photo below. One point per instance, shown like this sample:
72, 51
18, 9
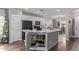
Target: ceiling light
37, 12
58, 10
45, 13
26, 8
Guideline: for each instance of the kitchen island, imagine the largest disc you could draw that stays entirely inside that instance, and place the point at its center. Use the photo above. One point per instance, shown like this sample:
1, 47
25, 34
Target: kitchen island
41, 40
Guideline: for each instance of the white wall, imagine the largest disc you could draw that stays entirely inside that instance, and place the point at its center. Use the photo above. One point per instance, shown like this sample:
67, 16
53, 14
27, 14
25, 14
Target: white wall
69, 26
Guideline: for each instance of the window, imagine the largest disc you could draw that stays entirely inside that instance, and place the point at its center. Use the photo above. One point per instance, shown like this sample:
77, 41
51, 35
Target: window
3, 29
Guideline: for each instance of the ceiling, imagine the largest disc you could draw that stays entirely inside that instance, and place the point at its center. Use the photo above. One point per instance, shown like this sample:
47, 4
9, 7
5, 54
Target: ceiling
51, 11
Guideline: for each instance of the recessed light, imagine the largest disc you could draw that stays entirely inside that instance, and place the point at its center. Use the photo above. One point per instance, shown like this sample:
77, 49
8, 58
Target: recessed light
37, 12
26, 8
45, 13
58, 10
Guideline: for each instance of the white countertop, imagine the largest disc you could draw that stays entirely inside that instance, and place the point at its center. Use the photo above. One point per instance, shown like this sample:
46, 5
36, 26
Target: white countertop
47, 31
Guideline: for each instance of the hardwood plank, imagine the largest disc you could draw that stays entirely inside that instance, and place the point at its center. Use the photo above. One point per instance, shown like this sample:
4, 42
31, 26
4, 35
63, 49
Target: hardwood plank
15, 46
63, 46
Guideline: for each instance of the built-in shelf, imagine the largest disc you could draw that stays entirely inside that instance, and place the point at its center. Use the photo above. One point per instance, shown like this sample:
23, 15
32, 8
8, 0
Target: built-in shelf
37, 48
37, 41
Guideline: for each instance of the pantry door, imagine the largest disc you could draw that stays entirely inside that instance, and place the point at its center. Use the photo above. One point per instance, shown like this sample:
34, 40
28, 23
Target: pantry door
77, 26
17, 34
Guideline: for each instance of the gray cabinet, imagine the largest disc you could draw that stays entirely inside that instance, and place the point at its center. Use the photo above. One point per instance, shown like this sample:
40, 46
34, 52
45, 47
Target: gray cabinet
41, 41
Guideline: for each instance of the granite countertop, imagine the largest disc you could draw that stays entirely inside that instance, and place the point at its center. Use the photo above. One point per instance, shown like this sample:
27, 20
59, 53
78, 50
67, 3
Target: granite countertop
47, 31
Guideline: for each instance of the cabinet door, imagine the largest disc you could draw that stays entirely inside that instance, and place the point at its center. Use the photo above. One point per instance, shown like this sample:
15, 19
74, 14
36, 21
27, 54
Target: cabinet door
17, 28
77, 26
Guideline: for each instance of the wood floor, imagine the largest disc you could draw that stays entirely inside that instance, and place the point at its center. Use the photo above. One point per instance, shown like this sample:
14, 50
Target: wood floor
15, 46
63, 46
19, 46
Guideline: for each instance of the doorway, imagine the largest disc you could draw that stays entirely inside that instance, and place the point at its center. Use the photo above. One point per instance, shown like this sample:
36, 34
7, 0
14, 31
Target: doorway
61, 24
76, 29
